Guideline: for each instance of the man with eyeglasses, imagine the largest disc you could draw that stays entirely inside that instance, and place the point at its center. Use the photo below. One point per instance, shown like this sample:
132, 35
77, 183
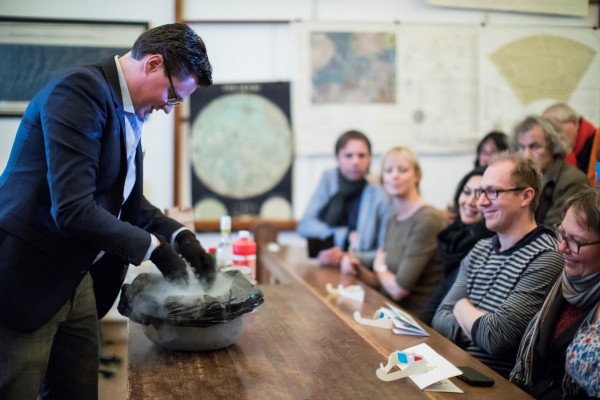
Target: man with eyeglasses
502, 282
74, 216
537, 138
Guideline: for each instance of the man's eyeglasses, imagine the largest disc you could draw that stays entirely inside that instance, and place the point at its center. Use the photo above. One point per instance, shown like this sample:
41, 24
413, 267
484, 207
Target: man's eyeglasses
492, 194
573, 245
175, 100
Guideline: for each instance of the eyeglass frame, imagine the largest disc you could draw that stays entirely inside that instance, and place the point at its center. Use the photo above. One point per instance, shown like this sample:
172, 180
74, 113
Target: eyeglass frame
561, 235
172, 101
477, 192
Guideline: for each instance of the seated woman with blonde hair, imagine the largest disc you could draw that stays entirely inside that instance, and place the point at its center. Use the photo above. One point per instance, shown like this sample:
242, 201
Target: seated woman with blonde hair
407, 267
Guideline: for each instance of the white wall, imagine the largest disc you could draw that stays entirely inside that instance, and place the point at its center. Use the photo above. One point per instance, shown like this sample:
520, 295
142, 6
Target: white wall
230, 50
242, 52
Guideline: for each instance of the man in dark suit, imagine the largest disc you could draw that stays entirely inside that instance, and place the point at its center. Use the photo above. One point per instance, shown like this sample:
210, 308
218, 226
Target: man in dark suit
73, 215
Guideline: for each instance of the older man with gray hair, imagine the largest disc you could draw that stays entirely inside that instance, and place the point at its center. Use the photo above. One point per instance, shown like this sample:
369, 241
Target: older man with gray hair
580, 135
538, 139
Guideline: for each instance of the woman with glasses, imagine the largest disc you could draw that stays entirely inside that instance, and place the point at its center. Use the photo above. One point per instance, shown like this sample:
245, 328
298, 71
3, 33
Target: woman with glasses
559, 353
458, 238
407, 267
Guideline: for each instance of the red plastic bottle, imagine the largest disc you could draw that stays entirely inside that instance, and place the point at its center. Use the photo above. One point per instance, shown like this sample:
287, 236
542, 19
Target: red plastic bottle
212, 251
244, 254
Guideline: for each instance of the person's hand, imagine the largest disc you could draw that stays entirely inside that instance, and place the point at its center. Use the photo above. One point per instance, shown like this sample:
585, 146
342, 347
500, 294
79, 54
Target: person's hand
379, 257
169, 263
353, 239
330, 257
466, 314
348, 265
199, 259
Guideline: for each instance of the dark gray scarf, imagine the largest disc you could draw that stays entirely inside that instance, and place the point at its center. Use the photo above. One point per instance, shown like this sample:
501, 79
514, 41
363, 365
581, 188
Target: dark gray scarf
579, 291
334, 212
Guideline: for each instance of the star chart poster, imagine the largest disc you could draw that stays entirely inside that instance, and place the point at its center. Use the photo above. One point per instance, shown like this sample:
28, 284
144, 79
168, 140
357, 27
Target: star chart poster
242, 151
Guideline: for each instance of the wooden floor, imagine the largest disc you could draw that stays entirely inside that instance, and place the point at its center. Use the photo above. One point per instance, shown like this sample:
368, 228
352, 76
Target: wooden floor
115, 344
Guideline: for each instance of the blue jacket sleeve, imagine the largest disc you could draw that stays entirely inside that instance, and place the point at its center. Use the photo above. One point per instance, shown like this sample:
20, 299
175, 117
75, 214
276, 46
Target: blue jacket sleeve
310, 225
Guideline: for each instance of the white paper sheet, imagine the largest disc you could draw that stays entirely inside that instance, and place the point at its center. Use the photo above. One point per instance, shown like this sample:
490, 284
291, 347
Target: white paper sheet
441, 370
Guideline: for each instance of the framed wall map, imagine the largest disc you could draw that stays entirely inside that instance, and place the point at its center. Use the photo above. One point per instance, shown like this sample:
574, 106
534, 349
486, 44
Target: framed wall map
241, 151
34, 50
525, 70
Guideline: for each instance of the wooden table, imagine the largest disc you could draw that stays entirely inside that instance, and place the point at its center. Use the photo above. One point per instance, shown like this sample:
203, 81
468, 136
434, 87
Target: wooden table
300, 344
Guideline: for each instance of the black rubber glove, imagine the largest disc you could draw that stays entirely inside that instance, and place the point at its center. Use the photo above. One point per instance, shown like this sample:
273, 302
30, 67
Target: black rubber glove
201, 262
169, 263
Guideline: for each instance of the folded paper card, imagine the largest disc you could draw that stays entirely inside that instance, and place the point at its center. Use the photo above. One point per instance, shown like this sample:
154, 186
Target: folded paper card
405, 324
422, 365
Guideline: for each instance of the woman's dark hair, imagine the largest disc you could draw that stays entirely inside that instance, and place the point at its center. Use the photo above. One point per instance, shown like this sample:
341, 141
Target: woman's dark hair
348, 136
477, 171
500, 140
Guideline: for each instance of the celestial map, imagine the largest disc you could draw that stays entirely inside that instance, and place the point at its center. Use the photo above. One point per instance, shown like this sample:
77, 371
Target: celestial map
209, 206
225, 143
276, 208
241, 151
523, 70
353, 67
520, 63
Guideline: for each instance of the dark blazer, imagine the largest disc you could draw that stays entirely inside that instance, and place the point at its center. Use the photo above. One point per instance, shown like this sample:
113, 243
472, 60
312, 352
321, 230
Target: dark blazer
60, 195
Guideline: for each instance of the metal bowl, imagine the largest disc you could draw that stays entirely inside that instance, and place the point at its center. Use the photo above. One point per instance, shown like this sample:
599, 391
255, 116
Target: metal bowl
194, 338
190, 318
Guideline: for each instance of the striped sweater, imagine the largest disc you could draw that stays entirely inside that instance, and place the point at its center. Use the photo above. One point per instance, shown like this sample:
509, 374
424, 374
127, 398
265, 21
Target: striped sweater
509, 286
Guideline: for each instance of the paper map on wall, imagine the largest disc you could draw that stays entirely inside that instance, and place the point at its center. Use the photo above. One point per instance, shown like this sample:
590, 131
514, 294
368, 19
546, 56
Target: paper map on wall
241, 151
353, 68
525, 70
402, 85
518, 61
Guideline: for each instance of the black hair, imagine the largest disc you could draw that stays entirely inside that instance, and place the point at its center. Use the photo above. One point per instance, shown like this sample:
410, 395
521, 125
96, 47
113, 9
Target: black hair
477, 171
500, 140
348, 136
182, 49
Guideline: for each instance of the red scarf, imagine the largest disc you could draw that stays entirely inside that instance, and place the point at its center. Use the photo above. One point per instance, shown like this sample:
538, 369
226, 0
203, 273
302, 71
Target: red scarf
585, 131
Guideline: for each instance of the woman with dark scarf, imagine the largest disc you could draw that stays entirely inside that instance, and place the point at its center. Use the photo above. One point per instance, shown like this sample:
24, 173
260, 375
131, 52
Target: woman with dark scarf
566, 321
458, 238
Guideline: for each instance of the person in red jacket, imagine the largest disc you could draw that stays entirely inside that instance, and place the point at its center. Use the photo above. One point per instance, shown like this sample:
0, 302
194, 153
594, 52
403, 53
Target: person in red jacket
579, 133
